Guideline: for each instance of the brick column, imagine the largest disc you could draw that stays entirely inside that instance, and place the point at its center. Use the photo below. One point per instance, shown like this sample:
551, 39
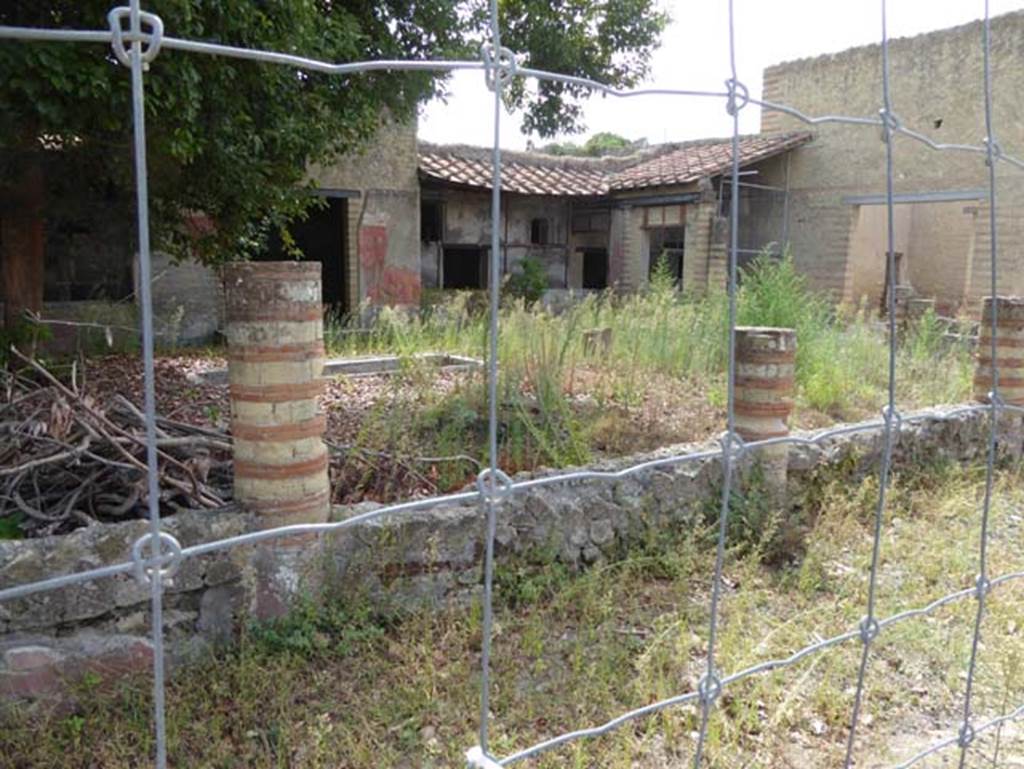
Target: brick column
1010, 361
275, 366
765, 359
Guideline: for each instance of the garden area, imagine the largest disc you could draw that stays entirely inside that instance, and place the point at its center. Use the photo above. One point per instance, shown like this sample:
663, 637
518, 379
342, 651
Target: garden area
366, 687
563, 400
371, 686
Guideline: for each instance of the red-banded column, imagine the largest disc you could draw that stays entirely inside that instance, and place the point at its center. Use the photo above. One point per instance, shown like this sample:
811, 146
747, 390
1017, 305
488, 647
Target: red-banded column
275, 369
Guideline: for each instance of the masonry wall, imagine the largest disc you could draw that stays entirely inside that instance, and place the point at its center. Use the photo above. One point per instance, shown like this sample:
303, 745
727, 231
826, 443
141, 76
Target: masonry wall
48, 640
629, 246
467, 221
936, 84
383, 250
188, 302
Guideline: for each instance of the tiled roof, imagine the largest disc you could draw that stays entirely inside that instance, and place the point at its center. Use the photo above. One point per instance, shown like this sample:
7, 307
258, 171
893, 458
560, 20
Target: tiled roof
695, 160
468, 166
537, 174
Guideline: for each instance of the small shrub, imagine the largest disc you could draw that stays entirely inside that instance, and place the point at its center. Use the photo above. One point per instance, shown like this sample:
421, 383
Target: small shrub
529, 283
313, 629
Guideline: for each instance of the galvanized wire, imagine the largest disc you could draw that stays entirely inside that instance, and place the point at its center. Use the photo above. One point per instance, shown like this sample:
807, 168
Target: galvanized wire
869, 627
165, 554
156, 583
496, 77
710, 686
967, 732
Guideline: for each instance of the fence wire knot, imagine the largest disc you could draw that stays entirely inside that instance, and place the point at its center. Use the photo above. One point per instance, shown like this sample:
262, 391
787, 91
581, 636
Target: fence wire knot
966, 735
869, 629
982, 586
893, 418
165, 565
151, 39
477, 759
995, 150
738, 96
709, 688
733, 446
500, 69
890, 123
493, 490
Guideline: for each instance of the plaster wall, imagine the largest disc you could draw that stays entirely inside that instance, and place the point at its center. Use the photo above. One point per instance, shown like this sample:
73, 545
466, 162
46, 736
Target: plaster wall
382, 254
467, 221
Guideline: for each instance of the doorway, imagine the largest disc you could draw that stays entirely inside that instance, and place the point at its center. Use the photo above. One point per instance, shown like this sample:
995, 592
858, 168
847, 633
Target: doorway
595, 268
322, 237
464, 267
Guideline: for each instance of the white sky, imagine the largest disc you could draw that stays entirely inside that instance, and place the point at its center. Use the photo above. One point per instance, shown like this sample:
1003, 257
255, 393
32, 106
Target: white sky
694, 54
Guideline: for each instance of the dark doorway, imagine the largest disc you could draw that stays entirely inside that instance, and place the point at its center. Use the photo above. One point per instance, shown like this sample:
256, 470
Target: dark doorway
595, 268
321, 238
464, 267
666, 251
431, 221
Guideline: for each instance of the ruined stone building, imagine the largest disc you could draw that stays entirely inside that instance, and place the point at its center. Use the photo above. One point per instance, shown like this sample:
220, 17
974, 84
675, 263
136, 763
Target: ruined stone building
837, 217
366, 235
598, 223
402, 217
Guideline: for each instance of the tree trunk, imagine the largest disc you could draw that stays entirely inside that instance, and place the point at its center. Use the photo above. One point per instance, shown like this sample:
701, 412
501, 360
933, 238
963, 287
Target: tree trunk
22, 246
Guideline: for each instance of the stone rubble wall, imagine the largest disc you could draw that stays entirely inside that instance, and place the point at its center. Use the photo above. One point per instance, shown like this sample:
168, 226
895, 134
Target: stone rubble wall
409, 560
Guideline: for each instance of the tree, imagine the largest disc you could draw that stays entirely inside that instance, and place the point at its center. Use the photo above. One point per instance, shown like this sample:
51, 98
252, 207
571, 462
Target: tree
597, 146
229, 141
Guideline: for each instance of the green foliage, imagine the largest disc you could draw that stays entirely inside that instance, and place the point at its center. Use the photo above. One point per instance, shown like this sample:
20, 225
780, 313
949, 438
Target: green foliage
662, 283
572, 647
10, 525
231, 139
656, 335
528, 283
530, 579
229, 142
773, 293
314, 629
608, 42
25, 335
599, 145
755, 524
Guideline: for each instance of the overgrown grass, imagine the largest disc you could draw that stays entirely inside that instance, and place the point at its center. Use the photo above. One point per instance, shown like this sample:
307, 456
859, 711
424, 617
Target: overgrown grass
560, 401
348, 687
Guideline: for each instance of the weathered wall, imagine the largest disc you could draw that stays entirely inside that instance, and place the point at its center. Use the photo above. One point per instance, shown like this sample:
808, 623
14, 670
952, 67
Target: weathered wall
48, 639
467, 221
188, 301
935, 239
936, 82
629, 249
383, 249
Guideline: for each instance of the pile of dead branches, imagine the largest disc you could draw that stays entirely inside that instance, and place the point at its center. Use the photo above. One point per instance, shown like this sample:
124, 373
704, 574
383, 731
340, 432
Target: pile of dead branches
68, 461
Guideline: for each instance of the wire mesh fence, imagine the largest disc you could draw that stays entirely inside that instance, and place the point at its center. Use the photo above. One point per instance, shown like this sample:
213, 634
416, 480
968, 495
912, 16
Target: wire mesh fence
137, 38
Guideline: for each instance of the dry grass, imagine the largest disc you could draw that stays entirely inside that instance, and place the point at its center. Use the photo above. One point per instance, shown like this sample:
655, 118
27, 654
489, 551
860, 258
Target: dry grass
345, 687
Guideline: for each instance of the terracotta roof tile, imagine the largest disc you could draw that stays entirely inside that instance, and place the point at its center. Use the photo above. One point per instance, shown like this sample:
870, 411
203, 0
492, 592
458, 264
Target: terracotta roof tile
538, 174
695, 160
451, 165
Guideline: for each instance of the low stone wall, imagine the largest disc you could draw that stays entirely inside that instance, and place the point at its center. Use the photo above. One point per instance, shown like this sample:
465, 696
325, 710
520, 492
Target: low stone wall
49, 639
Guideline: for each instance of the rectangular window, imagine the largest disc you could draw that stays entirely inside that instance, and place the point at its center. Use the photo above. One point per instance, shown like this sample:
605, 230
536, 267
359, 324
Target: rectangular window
665, 245
431, 221
590, 221
464, 267
539, 232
